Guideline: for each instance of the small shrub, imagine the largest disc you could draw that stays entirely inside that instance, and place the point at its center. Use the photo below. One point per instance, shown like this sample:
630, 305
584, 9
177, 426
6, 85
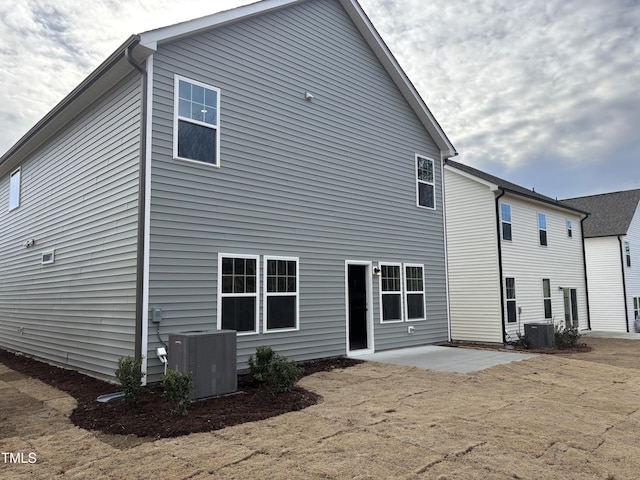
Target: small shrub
566, 337
524, 341
176, 387
274, 370
129, 374
259, 367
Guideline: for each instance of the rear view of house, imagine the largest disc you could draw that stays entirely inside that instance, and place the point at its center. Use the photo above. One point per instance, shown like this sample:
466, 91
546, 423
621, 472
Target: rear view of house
612, 242
515, 257
268, 169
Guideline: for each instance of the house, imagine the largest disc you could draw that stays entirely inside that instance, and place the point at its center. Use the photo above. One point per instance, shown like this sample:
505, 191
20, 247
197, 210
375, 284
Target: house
612, 245
515, 257
268, 169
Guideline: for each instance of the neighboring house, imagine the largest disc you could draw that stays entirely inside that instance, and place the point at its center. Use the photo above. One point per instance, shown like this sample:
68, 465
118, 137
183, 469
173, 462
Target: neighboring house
514, 257
268, 169
612, 243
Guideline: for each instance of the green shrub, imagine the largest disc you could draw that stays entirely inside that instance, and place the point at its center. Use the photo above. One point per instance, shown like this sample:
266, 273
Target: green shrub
276, 371
566, 337
129, 374
176, 387
259, 367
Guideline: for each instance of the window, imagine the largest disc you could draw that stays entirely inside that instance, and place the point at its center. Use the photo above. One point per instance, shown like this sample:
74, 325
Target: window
505, 215
511, 299
569, 228
14, 189
627, 252
238, 293
414, 291
425, 188
281, 293
391, 292
636, 308
546, 294
542, 228
196, 132
48, 257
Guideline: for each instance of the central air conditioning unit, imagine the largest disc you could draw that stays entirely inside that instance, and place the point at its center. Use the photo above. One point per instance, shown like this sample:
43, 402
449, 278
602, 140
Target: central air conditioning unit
210, 356
541, 335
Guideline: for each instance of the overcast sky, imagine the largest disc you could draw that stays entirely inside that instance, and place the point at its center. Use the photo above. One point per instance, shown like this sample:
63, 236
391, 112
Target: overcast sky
544, 93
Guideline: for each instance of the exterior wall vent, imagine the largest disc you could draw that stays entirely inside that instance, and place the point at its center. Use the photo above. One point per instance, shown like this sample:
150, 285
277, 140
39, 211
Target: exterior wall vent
210, 356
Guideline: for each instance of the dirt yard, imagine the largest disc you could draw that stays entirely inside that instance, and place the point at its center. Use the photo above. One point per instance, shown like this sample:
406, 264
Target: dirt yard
573, 416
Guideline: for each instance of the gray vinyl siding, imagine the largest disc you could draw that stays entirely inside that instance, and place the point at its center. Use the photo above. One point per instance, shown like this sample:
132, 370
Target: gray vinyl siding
78, 196
326, 181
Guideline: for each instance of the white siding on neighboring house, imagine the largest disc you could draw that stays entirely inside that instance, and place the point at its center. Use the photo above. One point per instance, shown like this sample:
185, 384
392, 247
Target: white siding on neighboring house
605, 284
527, 261
632, 273
474, 280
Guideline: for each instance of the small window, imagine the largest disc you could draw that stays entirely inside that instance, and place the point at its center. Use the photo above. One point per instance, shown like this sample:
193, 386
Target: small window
510, 284
196, 128
14, 189
425, 188
569, 228
542, 228
391, 292
414, 291
627, 253
505, 216
636, 308
546, 294
48, 257
238, 293
281, 294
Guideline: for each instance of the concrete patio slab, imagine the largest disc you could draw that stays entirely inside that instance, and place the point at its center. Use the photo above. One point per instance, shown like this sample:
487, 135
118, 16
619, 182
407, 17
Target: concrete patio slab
450, 359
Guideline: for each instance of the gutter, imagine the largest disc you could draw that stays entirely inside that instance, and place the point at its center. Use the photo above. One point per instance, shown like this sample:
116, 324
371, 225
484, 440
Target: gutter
624, 284
142, 168
584, 264
500, 272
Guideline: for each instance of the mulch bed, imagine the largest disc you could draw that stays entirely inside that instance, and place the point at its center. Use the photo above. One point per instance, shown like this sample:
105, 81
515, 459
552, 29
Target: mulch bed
151, 416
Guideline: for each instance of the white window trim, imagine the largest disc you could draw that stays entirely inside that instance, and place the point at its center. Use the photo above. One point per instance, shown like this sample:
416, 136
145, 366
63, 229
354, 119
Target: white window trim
514, 300
418, 182
540, 229
407, 292
381, 293
569, 228
222, 295
19, 172
502, 222
636, 308
547, 298
267, 294
176, 117
51, 252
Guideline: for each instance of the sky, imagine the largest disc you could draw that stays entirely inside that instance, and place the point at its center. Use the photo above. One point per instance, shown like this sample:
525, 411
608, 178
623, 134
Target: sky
543, 93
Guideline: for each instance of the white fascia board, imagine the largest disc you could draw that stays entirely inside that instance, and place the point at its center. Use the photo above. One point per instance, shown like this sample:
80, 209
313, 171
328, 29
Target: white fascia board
373, 38
492, 186
151, 38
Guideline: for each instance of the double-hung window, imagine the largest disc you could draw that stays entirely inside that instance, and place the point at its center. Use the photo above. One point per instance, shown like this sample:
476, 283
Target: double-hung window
414, 291
546, 295
281, 294
627, 253
569, 228
14, 189
542, 228
425, 182
196, 127
238, 293
391, 292
505, 217
636, 308
510, 284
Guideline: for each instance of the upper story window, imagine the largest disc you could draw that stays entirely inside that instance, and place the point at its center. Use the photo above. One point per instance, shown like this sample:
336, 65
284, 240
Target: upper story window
627, 252
196, 125
569, 228
505, 217
14, 189
238, 293
425, 187
281, 294
542, 228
